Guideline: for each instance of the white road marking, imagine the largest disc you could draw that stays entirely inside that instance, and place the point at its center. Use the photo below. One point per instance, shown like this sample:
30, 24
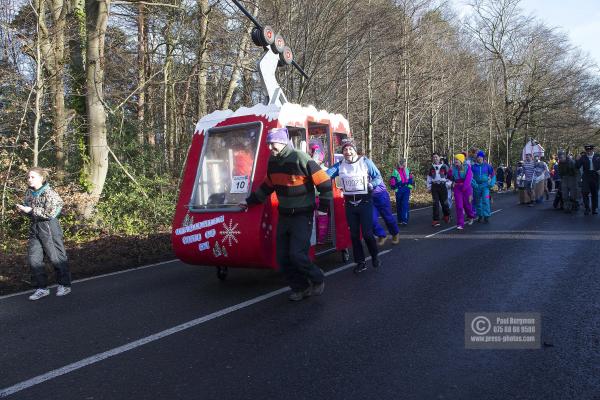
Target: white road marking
345, 267
152, 338
422, 208
6, 296
452, 227
442, 231
414, 209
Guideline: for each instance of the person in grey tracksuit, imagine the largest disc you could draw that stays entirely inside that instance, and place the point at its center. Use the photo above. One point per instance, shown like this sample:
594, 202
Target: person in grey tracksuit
43, 205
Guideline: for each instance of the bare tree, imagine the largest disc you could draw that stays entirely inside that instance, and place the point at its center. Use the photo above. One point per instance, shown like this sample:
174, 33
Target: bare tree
96, 22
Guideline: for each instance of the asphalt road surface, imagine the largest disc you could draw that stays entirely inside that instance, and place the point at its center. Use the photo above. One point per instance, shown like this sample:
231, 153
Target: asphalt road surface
173, 331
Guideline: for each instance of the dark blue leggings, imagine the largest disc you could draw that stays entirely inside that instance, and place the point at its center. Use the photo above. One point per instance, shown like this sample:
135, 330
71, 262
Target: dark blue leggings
360, 218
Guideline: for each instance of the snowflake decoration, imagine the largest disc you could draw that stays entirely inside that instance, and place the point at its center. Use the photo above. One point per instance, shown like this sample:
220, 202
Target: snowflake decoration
230, 233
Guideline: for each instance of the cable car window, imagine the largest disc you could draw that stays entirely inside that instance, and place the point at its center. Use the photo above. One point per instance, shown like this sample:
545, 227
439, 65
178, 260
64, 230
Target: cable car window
319, 134
338, 138
298, 138
226, 167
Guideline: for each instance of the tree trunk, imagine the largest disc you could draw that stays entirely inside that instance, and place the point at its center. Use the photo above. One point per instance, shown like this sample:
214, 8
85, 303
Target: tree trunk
347, 62
167, 130
56, 80
406, 144
39, 83
396, 139
97, 19
204, 9
57, 86
76, 26
141, 59
369, 138
489, 146
449, 147
237, 66
431, 120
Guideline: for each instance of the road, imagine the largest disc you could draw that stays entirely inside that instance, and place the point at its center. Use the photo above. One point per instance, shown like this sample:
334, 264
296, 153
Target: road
173, 331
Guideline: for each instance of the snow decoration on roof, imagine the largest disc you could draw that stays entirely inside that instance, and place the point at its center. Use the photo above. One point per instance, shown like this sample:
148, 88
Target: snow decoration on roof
287, 115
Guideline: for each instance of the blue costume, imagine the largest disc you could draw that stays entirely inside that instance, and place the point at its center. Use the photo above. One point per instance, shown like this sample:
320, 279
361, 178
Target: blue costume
402, 183
484, 179
382, 206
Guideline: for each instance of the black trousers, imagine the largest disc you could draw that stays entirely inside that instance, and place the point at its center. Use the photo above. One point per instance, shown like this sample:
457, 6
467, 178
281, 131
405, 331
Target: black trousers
439, 193
293, 244
46, 237
360, 219
590, 189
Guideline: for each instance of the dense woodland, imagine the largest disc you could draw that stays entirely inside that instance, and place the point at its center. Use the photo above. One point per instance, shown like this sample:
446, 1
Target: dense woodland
106, 93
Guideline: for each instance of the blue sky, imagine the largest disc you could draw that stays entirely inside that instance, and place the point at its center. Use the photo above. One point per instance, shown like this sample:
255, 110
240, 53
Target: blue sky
580, 19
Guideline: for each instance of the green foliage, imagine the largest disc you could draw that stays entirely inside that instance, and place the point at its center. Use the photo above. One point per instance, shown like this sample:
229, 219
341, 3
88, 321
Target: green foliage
12, 229
84, 177
125, 210
77, 230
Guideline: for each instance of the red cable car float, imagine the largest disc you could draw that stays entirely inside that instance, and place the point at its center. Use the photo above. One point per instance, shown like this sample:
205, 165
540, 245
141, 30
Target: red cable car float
228, 159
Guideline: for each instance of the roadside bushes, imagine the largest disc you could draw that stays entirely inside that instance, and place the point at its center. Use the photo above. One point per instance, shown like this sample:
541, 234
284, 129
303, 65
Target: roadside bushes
128, 208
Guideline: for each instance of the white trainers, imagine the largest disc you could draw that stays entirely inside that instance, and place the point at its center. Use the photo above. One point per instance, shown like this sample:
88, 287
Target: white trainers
63, 290
38, 294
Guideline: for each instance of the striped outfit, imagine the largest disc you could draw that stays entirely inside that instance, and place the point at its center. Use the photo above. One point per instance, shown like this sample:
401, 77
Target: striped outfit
293, 176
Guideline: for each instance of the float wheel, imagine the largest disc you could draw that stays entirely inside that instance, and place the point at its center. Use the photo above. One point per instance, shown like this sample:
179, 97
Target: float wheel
345, 255
222, 273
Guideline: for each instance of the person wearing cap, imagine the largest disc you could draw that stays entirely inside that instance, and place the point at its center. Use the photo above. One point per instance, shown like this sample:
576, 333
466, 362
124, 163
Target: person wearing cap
437, 185
551, 164
461, 176
471, 156
500, 176
520, 182
471, 159
569, 176
448, 184
590, 167
317, 153
540, 175
402, 183
558, 202
293, 176
358, 177
528, 170
483, 180
509, 177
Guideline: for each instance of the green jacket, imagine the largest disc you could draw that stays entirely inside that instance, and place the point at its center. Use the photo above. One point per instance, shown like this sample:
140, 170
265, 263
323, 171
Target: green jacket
293, 175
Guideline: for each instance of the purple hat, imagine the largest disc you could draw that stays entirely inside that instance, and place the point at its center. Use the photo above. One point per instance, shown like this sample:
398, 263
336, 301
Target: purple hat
278, 135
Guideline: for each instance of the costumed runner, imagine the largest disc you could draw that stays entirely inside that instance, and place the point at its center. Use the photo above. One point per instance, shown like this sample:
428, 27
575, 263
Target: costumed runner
358, 176
483, 180
461, 177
